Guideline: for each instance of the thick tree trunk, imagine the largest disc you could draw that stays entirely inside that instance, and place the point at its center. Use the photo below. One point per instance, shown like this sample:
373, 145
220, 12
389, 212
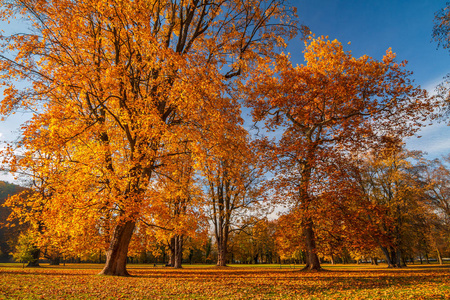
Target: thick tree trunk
116, 255
222, 242
34, 262
178, 253
312, 260
399, 258
393, 257
389, 261
222, 255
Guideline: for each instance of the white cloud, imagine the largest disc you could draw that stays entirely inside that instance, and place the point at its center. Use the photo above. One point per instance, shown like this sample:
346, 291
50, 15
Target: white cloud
434, 140
431, 85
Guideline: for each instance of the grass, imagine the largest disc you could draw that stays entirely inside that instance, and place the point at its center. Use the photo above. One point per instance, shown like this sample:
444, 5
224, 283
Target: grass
79, 281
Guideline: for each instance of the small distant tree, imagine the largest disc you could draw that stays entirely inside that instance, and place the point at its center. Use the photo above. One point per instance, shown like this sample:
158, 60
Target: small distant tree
26, 249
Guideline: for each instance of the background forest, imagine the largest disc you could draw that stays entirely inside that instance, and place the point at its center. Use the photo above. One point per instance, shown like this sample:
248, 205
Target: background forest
137, 149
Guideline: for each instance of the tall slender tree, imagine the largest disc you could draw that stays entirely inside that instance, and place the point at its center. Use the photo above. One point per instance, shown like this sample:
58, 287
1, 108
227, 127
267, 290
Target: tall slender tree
232, 183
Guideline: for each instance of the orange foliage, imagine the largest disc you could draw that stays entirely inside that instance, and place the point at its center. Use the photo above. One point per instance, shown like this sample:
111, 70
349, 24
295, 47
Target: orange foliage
332, 106
117, 87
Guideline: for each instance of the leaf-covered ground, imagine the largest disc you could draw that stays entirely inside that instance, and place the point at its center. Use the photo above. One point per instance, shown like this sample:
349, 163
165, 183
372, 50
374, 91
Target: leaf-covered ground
342, 282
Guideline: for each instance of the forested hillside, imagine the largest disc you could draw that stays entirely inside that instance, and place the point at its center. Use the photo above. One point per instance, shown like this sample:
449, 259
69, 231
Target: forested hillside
6, 233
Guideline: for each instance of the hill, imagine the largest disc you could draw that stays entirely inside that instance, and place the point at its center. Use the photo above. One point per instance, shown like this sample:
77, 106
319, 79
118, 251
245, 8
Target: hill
7, 233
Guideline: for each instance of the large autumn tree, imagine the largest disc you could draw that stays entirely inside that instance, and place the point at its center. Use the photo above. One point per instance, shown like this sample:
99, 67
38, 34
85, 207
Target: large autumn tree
333, 105
115, 86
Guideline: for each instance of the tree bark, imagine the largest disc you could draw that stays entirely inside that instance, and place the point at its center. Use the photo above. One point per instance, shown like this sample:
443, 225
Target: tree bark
116, 255
401, 263
439, 257
312, 260
389, 261
221, 258
172, 252
222, 241
393, 257
178, 253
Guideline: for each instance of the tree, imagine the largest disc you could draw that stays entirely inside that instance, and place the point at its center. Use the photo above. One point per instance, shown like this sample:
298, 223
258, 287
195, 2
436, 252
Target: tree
438, 175
441, 26
26, 250
254, 244
232, 185
330, 106
115, 86
391, 180
179, 215
288, 236
438, 198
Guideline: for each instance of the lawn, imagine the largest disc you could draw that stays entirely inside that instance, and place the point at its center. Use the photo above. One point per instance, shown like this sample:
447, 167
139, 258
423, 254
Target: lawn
79, 281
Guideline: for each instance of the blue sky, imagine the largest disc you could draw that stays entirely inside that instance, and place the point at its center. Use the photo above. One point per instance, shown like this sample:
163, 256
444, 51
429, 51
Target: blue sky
372, 26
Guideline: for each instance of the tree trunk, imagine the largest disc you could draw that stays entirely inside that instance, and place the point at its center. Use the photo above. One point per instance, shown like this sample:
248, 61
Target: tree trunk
394, 258
172, 251
222, 242
34, 262
439, 257
375, 261
255, 259
312, 260
116, 255
222, 255
388, 257
178, 253
401, 263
